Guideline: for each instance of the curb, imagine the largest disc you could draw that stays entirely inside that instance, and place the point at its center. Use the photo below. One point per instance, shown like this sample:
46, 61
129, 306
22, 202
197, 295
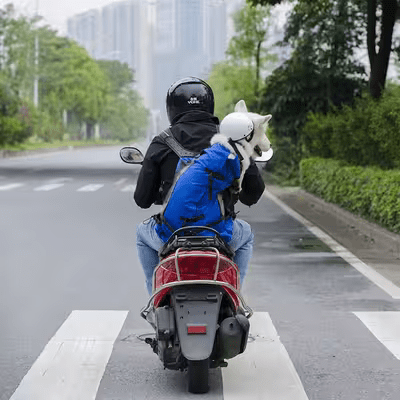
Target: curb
305, 203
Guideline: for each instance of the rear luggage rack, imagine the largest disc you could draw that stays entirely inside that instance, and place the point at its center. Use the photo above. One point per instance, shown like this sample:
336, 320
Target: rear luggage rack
195, 242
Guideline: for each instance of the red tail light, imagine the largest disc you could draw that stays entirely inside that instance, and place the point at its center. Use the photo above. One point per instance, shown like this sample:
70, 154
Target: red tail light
196, 329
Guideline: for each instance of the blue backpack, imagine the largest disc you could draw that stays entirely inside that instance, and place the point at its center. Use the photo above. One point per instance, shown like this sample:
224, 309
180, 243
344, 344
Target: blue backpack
195, 195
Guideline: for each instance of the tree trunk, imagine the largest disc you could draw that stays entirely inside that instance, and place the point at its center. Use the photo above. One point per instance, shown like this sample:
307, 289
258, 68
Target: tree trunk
380, 62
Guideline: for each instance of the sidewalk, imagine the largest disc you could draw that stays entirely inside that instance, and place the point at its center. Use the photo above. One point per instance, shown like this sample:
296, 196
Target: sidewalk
375, 246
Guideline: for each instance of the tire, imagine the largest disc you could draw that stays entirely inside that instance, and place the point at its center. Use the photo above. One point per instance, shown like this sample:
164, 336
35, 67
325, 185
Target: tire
198, 376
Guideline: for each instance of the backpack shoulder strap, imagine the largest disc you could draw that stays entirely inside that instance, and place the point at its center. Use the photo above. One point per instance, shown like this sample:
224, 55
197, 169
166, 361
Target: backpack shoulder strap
174, 145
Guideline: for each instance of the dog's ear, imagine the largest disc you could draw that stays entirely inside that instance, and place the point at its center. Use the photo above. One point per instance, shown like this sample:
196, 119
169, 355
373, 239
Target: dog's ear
260, 120
241, 106
267, 118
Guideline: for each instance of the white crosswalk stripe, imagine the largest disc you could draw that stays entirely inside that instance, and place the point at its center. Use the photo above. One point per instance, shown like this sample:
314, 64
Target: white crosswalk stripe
91, 188
48, 187
58, 183
73, 362
385, 326
10, 186
83, 345
129, 188
264, 370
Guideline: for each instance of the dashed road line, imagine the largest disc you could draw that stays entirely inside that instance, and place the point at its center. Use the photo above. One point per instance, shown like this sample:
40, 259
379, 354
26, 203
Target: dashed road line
264, 370
129, 188
385, 326
385, 284
59, 182
73, 362
91, 188
120, 182
48, 187
10, 186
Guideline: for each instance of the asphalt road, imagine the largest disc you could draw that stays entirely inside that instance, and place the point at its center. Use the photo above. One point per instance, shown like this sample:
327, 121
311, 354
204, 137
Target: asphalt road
70, 281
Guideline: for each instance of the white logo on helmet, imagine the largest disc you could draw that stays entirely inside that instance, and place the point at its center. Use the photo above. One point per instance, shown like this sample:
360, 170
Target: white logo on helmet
193, 100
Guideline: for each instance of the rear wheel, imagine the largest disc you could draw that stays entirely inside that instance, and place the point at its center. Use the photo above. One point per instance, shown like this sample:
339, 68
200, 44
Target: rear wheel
198, 376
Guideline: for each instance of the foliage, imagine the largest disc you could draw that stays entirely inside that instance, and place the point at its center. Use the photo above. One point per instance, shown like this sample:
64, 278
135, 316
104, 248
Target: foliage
120, 75
230, 84
320, 75
369, 192
239, 76
14, 124
70, 79
377, 16
321, 72
365, 134
283, 169
16, 55
127, 117
246, 47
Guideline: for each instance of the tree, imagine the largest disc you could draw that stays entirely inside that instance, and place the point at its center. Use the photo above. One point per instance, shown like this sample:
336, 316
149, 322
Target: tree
16, 77
379, 60
119, 74
16, 52
13, 126
126, 117
70, 79
322, 71
230, 84
378, 16
245, 48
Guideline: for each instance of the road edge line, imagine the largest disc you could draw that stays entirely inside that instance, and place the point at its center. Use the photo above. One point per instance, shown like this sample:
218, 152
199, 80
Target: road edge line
379, 280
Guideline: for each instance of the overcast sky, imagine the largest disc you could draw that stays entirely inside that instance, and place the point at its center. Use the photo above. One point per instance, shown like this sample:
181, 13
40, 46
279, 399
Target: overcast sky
56, 12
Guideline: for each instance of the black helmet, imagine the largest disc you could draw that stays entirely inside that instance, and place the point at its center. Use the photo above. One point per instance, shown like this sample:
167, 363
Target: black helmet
189, 94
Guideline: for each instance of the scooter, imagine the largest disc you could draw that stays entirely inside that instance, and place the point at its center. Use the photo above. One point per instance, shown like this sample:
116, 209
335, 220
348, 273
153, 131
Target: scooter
199, 316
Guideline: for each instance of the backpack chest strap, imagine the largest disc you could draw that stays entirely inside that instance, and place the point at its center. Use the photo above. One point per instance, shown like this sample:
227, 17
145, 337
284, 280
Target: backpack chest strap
175, 146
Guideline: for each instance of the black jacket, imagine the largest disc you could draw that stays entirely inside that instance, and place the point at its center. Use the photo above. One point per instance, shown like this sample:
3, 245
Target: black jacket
194, 131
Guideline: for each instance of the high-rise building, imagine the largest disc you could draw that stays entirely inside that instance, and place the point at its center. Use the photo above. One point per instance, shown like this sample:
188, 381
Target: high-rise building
189, 36
85, 29
162, 40
112, 33
216, 39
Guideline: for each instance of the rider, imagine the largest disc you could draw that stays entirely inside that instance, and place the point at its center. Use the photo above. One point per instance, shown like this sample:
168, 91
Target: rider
190, 109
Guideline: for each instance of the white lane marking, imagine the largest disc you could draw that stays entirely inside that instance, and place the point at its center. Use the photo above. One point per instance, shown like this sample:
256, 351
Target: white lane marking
48, 187
121, 181
73, 362
10, 186
91, 188
60, 180
385, 326
385, 284
264, 370
129, 188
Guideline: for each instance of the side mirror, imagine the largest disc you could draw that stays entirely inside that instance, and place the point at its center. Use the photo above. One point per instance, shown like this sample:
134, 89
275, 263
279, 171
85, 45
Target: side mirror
266, 156
131, 155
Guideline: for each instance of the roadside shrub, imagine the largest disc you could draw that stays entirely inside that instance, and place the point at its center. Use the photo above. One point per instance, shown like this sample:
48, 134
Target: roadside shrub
47, 127
385, 125
371, 193
14, 127
366, 134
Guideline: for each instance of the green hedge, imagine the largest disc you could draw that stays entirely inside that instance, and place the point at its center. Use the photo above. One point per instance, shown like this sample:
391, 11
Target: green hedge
371, 193
365, 134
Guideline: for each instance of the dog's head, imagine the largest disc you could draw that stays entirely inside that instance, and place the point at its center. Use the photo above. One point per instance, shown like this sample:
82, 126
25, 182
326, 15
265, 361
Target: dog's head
259, 142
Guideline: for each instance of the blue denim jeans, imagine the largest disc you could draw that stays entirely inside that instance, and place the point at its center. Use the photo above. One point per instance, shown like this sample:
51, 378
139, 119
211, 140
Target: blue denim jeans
148, 243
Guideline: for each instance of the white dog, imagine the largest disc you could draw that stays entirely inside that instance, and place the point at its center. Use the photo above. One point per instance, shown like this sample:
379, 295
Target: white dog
247, 132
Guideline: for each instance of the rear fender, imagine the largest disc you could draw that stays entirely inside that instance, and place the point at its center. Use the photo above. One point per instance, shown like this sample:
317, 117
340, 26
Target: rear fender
196, 312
